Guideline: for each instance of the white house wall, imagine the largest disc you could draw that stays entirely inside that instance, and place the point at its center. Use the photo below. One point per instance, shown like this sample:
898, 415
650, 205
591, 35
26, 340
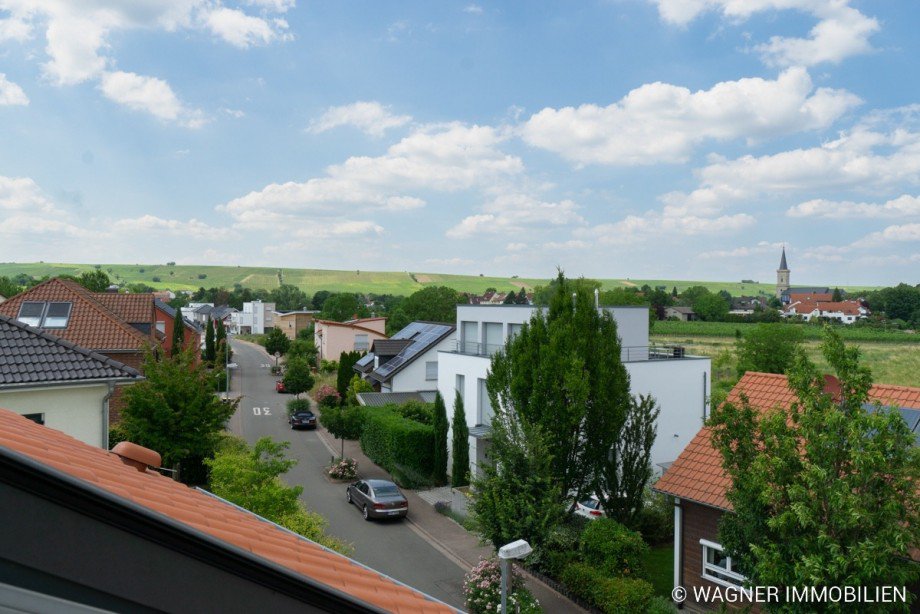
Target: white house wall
412, 377
681, 388
74, 410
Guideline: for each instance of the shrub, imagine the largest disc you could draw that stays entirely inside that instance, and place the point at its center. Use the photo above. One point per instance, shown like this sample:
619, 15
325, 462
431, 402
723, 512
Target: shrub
328, 366
398, 444
482, 590
422, 413
343, 422
655, 521
561, 546
326, 396
661, 605
344, 469
612, 548
610, 595
295, 405
200, 275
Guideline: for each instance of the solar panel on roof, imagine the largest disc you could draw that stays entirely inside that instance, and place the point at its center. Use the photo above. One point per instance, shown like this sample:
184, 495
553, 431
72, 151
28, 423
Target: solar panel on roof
910, 415
424, 335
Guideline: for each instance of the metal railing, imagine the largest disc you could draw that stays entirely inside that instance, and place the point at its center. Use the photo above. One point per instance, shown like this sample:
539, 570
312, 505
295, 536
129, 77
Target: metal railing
627, 354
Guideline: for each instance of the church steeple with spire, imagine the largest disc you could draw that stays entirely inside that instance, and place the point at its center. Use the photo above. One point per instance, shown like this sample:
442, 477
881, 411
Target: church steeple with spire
782, 276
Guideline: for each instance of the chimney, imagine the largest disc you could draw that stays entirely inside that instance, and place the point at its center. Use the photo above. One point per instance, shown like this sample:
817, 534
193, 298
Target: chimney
832, 387
137, 456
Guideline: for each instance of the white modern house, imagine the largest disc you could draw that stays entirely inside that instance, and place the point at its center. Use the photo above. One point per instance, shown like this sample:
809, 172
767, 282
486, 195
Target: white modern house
679, 383
407, 361
256, 318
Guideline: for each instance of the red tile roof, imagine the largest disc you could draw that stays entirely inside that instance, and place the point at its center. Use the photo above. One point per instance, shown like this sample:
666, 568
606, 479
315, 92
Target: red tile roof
809, 306
132, 308
206, 514
92, 325
697, 473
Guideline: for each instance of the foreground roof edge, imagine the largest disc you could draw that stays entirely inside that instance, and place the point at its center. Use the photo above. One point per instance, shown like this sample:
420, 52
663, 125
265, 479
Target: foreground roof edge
42, 480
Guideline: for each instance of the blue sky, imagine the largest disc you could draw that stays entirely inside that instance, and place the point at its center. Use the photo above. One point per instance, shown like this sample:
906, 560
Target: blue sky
682, 139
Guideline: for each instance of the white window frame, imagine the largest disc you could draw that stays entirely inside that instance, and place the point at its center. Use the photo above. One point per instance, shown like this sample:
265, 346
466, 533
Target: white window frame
431, 370
715, 569
460, 384
364, 344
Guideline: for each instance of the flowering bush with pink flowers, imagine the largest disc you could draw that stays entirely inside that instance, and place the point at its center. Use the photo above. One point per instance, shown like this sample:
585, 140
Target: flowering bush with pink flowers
482, 587
327, 396
344, 469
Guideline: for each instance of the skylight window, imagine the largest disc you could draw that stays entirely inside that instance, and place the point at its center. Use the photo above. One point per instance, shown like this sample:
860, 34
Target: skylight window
44, 314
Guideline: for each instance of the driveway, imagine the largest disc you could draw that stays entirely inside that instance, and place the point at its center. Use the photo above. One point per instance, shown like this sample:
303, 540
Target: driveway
393, 548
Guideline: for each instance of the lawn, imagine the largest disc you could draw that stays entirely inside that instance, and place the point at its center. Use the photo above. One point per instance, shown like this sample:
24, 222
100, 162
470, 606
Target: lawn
659, 565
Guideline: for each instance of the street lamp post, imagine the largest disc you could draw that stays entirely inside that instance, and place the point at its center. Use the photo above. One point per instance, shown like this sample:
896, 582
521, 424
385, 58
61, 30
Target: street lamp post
227, 365
515, 550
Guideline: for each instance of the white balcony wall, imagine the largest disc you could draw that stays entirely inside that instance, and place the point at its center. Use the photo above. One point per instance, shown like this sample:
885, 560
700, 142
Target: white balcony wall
413, 377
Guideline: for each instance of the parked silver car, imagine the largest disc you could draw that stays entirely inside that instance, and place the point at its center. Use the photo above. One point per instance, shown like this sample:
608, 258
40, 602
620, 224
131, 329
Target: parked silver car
377, 499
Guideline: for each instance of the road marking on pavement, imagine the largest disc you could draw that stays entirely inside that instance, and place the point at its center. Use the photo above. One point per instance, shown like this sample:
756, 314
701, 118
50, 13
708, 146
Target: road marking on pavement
262, 411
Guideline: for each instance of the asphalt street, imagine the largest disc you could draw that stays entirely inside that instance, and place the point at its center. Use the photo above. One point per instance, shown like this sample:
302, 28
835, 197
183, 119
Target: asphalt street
390, 547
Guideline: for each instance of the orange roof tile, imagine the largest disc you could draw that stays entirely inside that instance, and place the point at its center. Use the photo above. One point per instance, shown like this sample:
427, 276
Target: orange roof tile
697, 473
133, 308
91, 325
207, 514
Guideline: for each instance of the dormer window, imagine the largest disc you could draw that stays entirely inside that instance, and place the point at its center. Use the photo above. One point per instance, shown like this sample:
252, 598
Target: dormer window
45, 314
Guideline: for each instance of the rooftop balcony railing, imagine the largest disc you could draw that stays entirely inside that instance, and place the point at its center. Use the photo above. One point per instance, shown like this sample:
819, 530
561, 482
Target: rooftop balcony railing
627, 354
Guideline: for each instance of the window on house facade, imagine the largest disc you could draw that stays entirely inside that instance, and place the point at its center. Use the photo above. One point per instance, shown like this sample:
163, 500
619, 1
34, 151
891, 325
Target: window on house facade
492, 337
718, 567
44, 314
361, 342
161, 326
36, 418
460, 385
431, 370
469, 337
485, 405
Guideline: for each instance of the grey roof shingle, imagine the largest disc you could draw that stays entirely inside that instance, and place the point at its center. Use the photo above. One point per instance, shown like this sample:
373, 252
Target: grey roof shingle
389, 347
31, 356
379, 399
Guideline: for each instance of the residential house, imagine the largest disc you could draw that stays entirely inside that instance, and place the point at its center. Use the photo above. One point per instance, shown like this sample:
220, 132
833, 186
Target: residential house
679, 383
684, 314
292, 322
745, 305
165, 322
119, 326
334, 338
164, 295
795, 296
88, 530
803, 292
846, 312
257, 318
698, 483
57, 383
407, 361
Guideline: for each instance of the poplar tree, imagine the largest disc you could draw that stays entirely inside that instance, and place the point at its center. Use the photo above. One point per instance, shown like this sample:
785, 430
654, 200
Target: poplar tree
440, 425
460, 469
178, 334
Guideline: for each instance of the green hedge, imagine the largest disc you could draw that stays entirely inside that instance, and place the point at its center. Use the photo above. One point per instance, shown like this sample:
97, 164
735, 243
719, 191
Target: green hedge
610, 595
612, 548
295, 405
402, 446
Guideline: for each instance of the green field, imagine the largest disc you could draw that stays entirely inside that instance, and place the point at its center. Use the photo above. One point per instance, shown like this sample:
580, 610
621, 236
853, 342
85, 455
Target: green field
730, 329
891, 363
188, 277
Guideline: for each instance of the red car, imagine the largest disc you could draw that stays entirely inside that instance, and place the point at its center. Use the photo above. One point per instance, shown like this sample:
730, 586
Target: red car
279, 386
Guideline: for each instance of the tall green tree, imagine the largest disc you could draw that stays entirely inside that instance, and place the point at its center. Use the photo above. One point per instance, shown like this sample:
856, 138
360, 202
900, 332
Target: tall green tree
210, 351
562, 376
9, 288
344, 306
178, 334
837, 296
441, 426
521, 298
824, 492
94, 281
628, 469
174, 410
346, 371
297, 376
768, 348
509, 298
276, 342
460, 445
288, 297
430, 304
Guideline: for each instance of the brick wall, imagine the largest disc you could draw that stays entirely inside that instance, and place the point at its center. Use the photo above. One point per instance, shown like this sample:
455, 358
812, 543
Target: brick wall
699, 522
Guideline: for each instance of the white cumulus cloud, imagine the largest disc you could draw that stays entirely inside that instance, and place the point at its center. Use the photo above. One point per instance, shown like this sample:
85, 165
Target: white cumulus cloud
370, 117
149, 94
902, 206
242, 30
516, 213
659, 122
10, 93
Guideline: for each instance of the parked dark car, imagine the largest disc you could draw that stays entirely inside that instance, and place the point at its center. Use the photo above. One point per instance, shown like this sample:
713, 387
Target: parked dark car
279, 386
377, 499
303, 419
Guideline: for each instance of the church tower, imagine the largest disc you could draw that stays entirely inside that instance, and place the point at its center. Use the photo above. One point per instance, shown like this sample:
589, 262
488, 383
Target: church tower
782, 276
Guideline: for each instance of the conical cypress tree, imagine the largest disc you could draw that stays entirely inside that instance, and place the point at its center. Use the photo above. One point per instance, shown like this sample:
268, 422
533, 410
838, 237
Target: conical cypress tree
440, 441
178, 334
460, 470
209, 350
